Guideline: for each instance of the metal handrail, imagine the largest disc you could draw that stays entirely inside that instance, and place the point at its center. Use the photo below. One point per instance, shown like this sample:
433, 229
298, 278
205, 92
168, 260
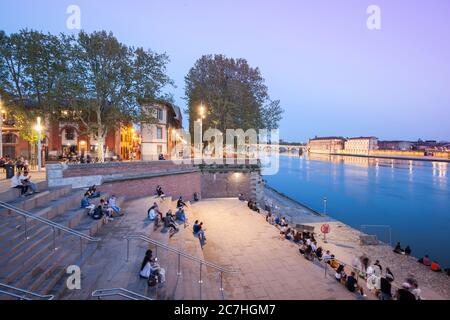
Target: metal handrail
23, 297
118, 292
179, 252
48, 222
55, 226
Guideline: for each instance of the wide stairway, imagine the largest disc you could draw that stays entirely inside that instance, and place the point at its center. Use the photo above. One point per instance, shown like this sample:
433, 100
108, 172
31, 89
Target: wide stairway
40, 236
116, 265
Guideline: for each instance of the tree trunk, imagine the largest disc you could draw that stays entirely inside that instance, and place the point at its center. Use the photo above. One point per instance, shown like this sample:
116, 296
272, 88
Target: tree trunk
100, 137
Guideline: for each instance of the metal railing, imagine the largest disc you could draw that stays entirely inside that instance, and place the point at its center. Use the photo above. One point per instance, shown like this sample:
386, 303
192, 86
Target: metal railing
121, 292
386, 227
55, 226
183, 254
23, 294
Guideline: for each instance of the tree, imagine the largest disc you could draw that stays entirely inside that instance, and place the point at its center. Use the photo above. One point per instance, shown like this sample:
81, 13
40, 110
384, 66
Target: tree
92, 79
33, 67
234, 93
114, 84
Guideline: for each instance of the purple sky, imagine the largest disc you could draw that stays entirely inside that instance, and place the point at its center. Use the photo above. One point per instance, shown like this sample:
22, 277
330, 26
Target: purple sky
332, 75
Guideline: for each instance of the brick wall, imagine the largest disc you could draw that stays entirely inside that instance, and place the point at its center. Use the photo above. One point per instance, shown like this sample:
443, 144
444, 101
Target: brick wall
173, 185
230, 184
80, 170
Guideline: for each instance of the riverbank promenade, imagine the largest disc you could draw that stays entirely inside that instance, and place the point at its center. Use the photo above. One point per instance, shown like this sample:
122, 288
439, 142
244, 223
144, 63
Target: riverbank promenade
238, 239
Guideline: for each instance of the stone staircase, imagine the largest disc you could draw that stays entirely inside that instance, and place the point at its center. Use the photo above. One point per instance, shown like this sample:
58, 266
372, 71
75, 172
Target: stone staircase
108, 268
33, 255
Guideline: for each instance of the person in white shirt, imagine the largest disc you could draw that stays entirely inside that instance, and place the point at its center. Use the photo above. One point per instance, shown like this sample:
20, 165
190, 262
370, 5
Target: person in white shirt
25, 178
16, 183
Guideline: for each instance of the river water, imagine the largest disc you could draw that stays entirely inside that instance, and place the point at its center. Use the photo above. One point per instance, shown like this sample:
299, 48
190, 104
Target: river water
412, 197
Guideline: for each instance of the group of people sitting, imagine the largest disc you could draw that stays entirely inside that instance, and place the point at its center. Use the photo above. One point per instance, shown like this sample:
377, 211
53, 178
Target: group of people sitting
21, 164
432, 264
107, 209
361, 267
170, 220
22, 181
398, 249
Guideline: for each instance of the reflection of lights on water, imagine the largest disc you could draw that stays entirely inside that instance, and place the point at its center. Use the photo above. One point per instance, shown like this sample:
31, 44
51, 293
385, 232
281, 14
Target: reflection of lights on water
410, 167
440, 169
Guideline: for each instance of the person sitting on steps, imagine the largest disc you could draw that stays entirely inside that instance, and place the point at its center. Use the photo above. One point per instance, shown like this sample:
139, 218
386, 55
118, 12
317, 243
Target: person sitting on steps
26, 181
86, 204
199, 231
425, 260
153, 212
180, 215
93, 193
181, 203
107, 210
112, 202
16, 183
170, 223
160, 192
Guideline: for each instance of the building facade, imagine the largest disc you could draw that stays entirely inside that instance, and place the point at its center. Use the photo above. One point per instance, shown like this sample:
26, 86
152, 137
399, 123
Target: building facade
65, 139
156, 137
395, 145
326, 145
360, 145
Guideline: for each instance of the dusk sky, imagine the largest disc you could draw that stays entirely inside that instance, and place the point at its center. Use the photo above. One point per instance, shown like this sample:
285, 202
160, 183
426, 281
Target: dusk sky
332, 74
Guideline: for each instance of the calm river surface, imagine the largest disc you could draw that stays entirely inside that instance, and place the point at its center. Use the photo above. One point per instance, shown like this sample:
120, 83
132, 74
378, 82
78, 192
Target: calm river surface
413, 197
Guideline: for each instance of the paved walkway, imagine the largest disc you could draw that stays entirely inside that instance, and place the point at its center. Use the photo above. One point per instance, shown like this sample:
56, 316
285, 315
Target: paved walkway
270, 268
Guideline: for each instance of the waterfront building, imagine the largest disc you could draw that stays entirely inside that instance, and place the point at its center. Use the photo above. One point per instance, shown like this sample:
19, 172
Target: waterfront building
360, 145
156, 137
395, 145
326, 145
65, 138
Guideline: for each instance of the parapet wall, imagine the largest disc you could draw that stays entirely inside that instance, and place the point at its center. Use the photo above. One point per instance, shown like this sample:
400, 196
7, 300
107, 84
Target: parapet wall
140, 178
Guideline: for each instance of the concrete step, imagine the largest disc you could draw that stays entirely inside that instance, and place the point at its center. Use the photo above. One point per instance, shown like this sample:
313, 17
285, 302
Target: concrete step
47, 210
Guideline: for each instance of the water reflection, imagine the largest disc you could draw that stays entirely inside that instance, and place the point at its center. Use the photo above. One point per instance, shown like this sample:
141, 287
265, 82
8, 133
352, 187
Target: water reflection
411, 196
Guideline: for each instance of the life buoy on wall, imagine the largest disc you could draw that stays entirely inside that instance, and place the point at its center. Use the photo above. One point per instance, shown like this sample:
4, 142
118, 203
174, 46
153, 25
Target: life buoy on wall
325, 228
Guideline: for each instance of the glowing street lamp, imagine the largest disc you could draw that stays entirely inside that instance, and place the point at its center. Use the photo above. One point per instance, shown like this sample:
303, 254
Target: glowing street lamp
38, 128
202, 116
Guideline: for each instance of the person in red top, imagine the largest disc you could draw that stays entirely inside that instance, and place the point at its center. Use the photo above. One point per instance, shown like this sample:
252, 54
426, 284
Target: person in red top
435, 266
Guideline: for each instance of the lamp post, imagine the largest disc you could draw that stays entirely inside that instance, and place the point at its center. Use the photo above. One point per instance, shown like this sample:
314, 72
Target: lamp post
202, 116
39, 129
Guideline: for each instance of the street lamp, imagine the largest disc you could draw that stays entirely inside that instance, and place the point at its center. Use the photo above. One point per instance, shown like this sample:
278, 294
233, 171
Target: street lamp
202, 116
38, 128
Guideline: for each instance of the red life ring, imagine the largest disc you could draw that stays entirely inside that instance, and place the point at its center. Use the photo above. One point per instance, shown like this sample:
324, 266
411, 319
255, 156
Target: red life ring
325, 228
